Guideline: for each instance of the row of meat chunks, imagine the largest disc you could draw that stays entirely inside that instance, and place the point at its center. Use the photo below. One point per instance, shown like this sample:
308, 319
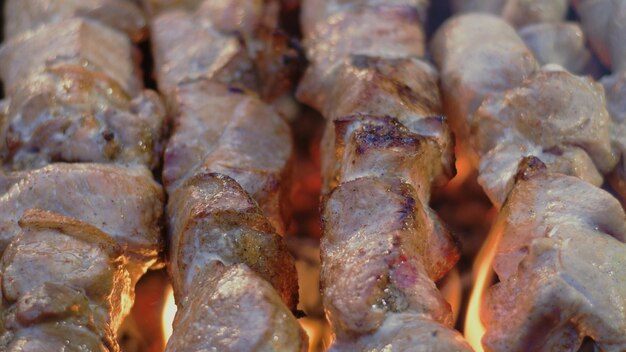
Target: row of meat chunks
81, 213
544, 143
227, 174
385, 146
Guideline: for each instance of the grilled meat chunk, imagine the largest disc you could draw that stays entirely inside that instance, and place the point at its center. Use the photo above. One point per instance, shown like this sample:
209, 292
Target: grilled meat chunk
469, 75
122, 15
73, 41
560, 262
407, 332
517, 12
556, 116
68, 113
124, 203
223, 130
212, 219
206, 319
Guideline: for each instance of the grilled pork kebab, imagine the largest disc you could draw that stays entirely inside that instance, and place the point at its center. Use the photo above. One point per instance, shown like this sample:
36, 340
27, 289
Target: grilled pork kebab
81, 213
543, 139
385, 145
226, 171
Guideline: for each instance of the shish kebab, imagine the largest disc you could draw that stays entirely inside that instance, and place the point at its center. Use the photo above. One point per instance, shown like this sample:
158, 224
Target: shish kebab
385, 145
226, 171
543, 139
75, 238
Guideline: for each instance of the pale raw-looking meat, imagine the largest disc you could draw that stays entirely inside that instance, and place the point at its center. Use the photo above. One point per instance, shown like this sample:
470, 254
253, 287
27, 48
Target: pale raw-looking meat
65, 284
554, 115
122, 15
604, 23
212, 219
125, 203
224, 130
73, 41
517, 12
561, 43
615, 89
478, 55
69, 113
561, 266
207, 321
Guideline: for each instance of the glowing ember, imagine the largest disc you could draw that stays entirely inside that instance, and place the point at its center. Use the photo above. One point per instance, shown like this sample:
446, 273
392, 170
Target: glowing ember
482, 277
169, 311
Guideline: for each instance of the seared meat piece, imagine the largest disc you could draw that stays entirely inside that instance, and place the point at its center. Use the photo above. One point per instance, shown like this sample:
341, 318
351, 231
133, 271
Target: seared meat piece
407, 332
517, 12
561, 43
212, 219
123, 202
188, 47
401, 248
469, 74
68, 113
604, 23
207, 321
561, 263
320, 13
556, 116
386, 32
234, 279
64, 285
25, 15
385, 145
73, 41
223, 130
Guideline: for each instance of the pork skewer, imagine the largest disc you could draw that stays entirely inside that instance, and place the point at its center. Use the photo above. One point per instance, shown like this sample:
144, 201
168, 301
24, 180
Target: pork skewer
226, 171
529, 132
604, 23
76, 238
385, 145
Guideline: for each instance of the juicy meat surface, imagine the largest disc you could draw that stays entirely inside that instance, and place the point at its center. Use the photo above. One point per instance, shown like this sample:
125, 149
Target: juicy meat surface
188, 47
517, 12
74, 41
123, 202
561, 43
261, 321
62, 278
556, 116
615, 89
407, 332
478, 55
26, 15
223, 130
560, 262
401, 248
212, 219
69, 113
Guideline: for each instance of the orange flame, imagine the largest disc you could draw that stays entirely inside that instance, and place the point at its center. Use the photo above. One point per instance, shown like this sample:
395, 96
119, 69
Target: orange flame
169, 311
451, 288
482, 277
